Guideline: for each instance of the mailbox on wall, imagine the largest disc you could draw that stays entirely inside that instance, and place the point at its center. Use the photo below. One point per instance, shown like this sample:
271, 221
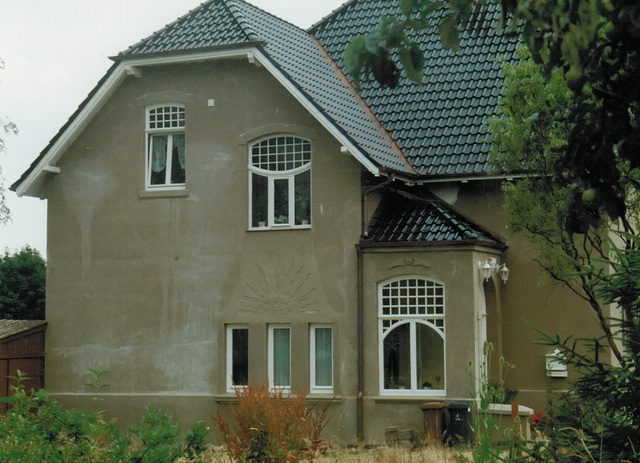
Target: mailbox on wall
556, 367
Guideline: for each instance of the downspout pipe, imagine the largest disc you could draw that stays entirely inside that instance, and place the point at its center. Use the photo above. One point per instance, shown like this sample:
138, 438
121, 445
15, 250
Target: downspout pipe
363, 234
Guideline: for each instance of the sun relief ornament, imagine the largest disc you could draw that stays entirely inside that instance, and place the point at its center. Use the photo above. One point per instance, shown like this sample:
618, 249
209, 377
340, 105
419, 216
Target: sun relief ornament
279, 289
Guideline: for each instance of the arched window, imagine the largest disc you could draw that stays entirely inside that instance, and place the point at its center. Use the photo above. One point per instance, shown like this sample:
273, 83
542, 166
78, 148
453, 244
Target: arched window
412, 337
165, 147
280, 182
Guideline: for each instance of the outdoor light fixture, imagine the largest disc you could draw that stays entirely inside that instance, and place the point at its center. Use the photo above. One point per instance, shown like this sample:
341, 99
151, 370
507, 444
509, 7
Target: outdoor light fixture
490, 266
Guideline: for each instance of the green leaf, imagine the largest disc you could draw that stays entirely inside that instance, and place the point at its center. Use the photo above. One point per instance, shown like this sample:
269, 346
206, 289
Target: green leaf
372, 40
354, 56
449, 33
406, 6
412, 71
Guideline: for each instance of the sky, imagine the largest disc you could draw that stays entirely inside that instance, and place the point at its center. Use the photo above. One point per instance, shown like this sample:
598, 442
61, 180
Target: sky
54, 53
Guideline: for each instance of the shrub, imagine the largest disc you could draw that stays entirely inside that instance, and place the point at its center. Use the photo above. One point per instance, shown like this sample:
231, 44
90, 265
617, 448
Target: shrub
36, 428
271, 428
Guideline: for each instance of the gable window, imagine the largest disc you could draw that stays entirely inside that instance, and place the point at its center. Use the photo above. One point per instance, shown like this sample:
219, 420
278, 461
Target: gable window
412, 337
321, 350
280, 183
237, 356
165, 165
279, 357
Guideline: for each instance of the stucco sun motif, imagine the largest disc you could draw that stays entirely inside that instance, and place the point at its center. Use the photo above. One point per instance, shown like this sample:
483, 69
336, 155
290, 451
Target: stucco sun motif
278, 290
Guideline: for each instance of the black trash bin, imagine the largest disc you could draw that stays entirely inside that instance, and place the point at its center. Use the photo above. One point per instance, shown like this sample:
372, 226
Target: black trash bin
459, 422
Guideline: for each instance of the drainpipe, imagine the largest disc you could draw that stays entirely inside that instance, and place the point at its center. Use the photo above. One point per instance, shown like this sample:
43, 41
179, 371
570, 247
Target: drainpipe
359, 400
363, 234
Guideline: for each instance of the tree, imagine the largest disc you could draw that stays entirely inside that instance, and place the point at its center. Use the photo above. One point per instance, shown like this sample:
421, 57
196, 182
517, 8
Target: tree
595, 43
570, 118
9, 128
22, 285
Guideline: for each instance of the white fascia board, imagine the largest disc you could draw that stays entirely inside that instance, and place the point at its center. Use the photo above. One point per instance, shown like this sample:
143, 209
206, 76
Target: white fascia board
66, 138
124, 69
103, 93
321, 118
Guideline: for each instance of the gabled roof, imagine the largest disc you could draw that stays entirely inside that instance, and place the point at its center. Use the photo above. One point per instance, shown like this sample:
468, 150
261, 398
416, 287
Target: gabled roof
430, 131
231, 28
291, 50
405, 219
10, 328
437, 125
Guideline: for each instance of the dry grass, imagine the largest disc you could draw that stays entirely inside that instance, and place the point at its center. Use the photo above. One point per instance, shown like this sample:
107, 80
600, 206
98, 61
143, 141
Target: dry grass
429, 454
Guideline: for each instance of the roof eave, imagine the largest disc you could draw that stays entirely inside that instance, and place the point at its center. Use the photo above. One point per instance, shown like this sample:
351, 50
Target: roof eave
28, 183
370, 244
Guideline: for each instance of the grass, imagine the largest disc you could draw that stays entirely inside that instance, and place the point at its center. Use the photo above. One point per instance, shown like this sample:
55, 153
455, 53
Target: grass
429, 454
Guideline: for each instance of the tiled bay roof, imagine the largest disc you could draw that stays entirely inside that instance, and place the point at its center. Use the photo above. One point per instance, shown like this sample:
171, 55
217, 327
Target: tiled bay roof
405, 218
438, 125
291, 49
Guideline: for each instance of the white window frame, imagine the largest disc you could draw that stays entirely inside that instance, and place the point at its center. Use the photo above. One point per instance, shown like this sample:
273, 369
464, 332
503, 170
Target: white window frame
271, 359
176, 129
314, 388
272, 176
229, 356
434, 321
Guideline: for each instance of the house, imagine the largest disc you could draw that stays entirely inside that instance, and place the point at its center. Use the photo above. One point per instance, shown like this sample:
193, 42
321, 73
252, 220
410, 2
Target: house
225, 205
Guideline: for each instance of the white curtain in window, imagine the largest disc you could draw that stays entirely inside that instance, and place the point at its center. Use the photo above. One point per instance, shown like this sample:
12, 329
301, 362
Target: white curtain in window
178, 145
159, 153
323, 357
281, 357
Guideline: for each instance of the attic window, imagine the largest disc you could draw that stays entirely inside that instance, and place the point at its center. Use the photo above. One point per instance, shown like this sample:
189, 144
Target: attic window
280, 183
165, 165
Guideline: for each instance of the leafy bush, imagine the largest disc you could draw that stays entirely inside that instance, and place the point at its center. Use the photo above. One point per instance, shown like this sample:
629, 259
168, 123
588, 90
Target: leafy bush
271, 428
36, 428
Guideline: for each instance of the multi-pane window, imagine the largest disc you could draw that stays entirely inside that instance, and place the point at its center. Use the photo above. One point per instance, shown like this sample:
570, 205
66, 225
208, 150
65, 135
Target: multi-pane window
412, 337
279, 356
165, 146
280, 183
321, 349
237, 356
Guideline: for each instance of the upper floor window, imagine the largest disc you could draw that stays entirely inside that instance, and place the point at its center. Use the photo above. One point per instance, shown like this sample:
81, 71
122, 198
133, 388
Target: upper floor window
412, 337
280, 183
165, 147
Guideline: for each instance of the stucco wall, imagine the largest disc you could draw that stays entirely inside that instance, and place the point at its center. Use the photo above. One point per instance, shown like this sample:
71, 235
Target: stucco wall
144, 286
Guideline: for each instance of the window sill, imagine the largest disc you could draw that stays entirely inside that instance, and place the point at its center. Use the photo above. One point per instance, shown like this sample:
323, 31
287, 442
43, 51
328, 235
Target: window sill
231, 397
279, 228
146, 194
409, 399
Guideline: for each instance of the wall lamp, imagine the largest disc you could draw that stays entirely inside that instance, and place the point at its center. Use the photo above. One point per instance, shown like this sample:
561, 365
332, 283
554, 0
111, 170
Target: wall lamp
490, 267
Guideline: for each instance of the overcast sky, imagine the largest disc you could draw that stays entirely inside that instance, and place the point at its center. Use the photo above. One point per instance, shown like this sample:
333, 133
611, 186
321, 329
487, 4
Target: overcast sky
54, 53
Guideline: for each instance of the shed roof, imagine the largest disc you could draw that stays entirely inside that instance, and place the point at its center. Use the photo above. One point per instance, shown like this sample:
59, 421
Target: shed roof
403, 218
10, 328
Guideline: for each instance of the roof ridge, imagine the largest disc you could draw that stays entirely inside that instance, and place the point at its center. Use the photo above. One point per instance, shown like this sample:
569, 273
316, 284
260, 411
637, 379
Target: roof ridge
363, 104
326, 17
270, 14
240, 18
167, 26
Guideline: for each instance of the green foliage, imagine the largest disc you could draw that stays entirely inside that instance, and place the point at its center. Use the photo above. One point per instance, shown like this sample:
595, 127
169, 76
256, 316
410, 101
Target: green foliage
36, 428
22, 285
158, 438
271, 428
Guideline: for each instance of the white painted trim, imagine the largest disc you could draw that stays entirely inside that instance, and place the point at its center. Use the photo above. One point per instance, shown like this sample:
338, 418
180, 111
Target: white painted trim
69, 135
411, 320
313, 388
270, 357
132, 66
321, 118
229, 354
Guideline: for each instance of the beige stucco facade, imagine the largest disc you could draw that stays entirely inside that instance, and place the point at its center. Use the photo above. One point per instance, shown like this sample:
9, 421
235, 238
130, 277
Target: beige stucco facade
143, 284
